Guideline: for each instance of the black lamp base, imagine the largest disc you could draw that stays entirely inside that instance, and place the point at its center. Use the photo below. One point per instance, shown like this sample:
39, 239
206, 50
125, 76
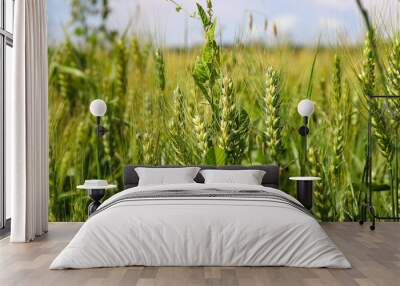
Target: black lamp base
305, 193
100, 130
96, 195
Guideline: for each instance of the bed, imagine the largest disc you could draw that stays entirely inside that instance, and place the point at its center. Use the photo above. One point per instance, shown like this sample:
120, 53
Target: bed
198, 224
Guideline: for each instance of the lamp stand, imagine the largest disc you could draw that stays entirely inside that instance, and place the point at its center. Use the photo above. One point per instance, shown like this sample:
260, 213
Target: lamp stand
303, 131
100, 131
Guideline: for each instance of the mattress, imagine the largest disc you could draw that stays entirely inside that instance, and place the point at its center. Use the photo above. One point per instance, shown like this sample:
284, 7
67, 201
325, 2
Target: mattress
201, 225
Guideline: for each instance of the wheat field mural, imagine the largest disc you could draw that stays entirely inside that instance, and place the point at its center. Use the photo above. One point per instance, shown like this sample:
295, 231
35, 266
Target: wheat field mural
216, 105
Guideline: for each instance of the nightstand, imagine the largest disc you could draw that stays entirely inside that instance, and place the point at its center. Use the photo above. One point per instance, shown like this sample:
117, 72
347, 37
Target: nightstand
305, 190
96, 192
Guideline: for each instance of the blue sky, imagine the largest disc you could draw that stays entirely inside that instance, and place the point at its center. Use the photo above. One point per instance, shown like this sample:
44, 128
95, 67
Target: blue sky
300, 21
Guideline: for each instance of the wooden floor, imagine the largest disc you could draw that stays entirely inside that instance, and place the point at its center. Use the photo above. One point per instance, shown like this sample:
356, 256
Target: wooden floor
375, 257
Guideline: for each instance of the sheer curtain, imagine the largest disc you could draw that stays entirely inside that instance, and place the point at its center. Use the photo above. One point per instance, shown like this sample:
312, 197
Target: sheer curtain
26, 124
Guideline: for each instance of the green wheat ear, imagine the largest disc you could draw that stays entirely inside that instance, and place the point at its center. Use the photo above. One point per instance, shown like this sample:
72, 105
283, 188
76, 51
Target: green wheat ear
339, 120
272, 117
227, 115
180, 109
367, 77
160, 69
393, 74
337, 79
233, 125
201, 136
180, 142
337, 165
393, 70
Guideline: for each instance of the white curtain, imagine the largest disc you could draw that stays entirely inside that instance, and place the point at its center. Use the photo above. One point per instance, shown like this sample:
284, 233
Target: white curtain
26, 124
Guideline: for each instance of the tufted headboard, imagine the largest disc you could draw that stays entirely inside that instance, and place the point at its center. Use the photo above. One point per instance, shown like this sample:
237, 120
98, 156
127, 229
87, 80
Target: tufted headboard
270, 179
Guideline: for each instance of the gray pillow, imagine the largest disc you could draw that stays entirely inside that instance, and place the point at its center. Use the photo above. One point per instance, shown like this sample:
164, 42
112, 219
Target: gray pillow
247, 177
166, 176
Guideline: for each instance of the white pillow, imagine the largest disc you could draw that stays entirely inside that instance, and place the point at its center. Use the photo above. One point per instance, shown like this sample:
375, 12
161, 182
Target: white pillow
166, 176
248, 177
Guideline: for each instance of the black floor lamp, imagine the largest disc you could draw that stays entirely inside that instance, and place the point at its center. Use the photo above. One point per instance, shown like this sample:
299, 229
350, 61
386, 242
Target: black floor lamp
305, 183
96, 192
98, 108
305, 108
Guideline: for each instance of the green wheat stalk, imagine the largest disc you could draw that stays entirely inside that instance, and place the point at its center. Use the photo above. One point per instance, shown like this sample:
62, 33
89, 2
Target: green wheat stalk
201, 136
137, 56
367, 79
228, 113
234, 125
322, 195
160, 69
179, 139
121, 69
393, 77
338, 140
393, 69
339, 119
272, 114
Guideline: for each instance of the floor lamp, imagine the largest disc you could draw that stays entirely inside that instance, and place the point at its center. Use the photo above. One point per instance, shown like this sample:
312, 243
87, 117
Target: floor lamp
305, 108
98, 108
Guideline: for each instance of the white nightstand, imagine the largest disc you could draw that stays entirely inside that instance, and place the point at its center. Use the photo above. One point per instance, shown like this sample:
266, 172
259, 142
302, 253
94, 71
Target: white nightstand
96, 193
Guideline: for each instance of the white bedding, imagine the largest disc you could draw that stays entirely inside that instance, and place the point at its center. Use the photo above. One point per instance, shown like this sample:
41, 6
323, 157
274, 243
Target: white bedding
200, 231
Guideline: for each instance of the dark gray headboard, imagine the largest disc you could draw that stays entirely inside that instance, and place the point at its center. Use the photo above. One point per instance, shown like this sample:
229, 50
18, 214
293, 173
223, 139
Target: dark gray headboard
271, 177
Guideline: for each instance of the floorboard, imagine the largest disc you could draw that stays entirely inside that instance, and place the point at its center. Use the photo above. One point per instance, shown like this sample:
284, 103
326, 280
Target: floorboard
375, 257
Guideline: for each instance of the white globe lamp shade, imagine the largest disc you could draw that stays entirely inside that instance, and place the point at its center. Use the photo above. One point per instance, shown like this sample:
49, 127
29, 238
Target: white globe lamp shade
98, 107
305, 108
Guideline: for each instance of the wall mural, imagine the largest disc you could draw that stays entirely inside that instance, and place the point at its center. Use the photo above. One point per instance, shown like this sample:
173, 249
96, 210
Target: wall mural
220, 105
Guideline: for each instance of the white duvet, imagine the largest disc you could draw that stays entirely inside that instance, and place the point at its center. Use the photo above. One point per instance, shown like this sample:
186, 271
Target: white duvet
200, 231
